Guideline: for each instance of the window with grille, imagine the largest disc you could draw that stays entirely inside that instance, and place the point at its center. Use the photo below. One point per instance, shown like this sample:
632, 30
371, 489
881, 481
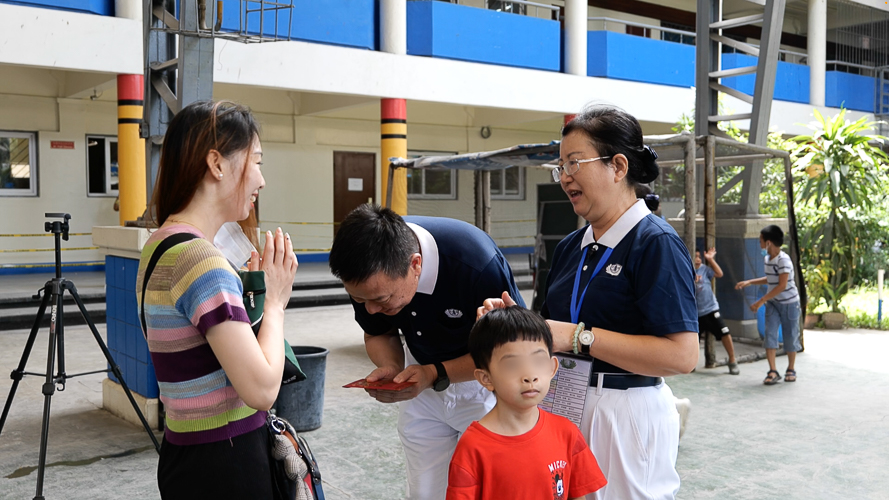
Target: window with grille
18, 163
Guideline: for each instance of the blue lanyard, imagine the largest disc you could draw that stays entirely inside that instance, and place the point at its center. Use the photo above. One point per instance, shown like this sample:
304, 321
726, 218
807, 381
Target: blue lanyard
575, 303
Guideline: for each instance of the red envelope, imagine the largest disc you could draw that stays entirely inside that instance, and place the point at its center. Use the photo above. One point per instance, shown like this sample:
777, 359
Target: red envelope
380, 385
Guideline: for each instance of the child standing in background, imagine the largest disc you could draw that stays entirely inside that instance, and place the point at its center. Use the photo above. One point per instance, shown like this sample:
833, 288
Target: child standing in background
781, 301
709, 318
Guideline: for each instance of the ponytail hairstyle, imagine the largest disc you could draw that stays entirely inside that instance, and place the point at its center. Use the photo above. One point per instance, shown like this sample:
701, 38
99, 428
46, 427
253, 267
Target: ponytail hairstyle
644, 192
612, 131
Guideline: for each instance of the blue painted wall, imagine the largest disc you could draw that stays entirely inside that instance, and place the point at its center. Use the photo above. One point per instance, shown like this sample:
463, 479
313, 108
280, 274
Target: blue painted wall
49, 268
124, 329
350, 23
791, 80
851, 91
740, 259
101, 7
640, 59
452, 31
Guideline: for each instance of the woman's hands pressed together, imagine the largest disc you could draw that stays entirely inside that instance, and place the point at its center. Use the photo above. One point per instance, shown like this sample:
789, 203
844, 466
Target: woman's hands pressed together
279, 263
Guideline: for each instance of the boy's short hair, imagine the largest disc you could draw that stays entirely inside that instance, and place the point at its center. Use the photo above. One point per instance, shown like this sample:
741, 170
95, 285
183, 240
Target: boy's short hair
501, 326
774, 234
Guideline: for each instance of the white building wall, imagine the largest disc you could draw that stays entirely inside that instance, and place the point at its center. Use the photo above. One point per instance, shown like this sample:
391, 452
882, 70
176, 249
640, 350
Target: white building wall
62, 184
69, 40
299, 175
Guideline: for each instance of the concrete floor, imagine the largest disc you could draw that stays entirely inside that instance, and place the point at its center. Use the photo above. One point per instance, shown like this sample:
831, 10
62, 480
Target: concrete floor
825, 436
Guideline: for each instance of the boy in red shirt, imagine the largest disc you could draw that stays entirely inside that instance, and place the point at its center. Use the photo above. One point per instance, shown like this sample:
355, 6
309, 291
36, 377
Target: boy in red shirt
517, 450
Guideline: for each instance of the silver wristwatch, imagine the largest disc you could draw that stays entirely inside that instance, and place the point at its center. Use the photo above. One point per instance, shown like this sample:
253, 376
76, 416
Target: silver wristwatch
586, 339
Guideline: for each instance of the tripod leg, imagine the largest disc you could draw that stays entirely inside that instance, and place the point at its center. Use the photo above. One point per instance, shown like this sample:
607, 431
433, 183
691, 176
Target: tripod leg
61, 377
49, 386
114, 368
17, 374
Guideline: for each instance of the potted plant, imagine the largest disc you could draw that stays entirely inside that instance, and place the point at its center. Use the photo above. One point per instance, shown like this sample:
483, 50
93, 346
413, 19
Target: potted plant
841, 173
834, 319
816, 277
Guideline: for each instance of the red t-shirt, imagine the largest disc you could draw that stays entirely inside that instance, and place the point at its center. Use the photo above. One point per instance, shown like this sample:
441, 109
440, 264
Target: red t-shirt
550, 461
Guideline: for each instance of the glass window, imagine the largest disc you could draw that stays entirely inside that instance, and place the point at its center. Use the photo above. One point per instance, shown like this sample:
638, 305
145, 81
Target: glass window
18, 164
101, 165
432, 183
508, 184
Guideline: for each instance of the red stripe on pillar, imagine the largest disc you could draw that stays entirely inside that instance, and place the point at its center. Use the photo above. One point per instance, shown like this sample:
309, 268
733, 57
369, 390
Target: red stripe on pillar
393, 108
129, 87
568, 118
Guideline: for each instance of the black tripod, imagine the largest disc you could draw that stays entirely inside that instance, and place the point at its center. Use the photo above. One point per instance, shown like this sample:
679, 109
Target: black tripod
53, 292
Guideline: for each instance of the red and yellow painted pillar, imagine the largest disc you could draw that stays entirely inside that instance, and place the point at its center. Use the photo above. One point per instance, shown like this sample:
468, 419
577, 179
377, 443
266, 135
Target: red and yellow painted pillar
393, 142
130, 147
568, 118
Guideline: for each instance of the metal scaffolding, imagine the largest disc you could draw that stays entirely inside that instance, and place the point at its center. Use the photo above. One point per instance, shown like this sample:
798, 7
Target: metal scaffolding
179, 54
708, 75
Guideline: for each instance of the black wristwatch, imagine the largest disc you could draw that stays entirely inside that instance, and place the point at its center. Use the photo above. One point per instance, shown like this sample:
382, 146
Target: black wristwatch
442, 382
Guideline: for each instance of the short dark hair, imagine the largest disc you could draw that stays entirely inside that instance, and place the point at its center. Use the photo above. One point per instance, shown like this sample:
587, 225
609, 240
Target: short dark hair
372, 239
611, 130
774, 234
501, 326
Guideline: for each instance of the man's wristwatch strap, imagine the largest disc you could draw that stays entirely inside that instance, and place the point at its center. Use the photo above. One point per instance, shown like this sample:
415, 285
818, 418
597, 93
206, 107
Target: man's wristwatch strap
442, 382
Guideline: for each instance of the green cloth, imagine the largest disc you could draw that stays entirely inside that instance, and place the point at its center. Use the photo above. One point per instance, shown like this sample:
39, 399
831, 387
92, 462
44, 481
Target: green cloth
254, 301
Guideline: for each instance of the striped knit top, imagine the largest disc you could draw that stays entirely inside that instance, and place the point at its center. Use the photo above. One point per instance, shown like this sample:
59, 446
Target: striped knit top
193, 288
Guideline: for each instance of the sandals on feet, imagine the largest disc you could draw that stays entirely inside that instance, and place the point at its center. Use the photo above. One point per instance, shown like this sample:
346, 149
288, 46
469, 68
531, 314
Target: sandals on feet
790, 375
733, 369
772, 378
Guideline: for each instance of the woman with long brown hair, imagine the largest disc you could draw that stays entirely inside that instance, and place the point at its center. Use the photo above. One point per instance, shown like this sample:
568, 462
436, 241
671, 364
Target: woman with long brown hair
217, 379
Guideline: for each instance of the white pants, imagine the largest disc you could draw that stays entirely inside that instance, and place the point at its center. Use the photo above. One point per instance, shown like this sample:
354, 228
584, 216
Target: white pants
634, 435
429, 427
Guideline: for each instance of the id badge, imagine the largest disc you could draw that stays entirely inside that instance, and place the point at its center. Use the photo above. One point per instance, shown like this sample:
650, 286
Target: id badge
567, 390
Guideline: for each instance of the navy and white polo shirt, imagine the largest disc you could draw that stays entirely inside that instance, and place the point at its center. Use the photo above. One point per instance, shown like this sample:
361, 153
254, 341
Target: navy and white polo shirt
781, 264
645, 288
461, 267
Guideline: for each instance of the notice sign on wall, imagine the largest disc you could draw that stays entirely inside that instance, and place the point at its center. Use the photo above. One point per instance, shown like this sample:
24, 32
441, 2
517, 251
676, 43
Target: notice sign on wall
61, 144
356, 184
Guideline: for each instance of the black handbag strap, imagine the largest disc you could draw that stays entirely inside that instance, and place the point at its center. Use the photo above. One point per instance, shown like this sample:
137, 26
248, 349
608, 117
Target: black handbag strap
168, 243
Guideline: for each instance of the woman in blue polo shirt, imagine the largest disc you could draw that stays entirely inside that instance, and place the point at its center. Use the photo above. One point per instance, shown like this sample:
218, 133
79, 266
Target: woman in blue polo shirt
621, 290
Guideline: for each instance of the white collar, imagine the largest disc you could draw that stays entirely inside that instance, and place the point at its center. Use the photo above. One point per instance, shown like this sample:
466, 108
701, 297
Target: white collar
616, 232
771, 259
429, 264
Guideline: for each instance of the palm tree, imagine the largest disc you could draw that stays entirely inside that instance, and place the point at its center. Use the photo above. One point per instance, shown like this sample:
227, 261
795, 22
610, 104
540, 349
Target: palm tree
842, 167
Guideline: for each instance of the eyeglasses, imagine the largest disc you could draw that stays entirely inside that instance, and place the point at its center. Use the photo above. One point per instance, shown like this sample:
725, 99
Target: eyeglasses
571, 167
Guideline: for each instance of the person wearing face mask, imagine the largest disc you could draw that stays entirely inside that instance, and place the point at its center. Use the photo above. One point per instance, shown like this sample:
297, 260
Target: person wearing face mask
621, 291
781, 301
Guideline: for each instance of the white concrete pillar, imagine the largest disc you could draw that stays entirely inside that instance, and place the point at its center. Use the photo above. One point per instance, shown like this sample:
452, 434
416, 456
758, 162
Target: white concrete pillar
576, 37
393, 26
817, 49
129, 9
